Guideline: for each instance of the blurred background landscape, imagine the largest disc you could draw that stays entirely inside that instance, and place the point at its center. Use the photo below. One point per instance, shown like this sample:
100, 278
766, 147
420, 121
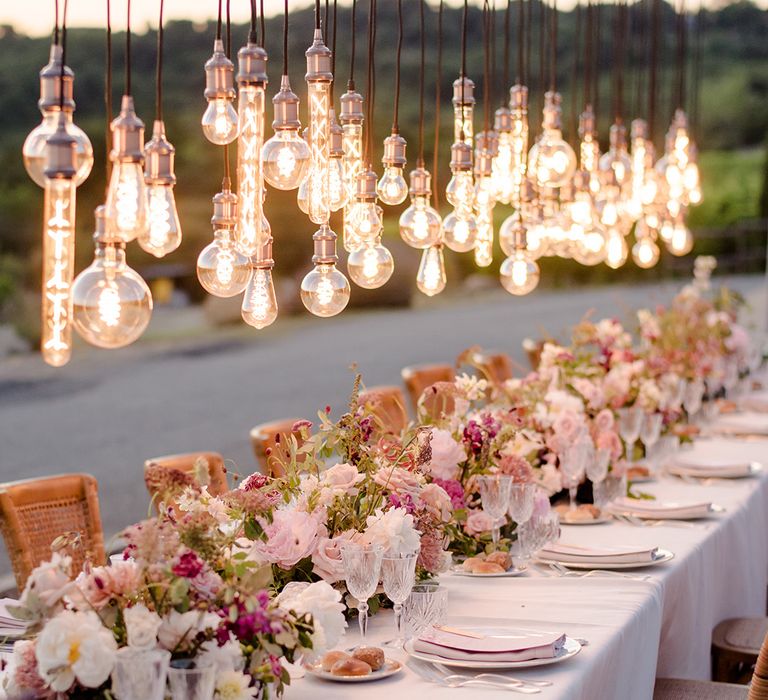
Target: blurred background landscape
730, 120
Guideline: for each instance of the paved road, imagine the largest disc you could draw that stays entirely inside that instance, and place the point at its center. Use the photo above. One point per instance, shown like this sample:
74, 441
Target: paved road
105, 413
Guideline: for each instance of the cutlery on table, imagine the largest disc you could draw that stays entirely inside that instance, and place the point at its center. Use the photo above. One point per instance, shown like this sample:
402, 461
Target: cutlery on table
430, 674
448, 673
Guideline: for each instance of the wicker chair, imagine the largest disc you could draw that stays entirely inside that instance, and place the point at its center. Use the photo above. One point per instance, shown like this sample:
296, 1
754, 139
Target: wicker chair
387, 404
735, 646
418, 378
273, 437
533, 351
34, 512
495, 366
185, 463
672, 689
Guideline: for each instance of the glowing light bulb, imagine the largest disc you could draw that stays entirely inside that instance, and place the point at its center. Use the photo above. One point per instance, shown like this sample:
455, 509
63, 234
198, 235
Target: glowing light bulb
459, 234
324, 290
420, 224
681, 239
392, 188
551, 161
484, 197
319, 77
337, 185
518, 105
111, 303
371, 266
463, 109
127, 192
259, 308
163, 232
460, 192
219, 122
33, 150
352, 126
502, 160
645, 252
519, 273
431, 276
616, 249
58, 246
634, 205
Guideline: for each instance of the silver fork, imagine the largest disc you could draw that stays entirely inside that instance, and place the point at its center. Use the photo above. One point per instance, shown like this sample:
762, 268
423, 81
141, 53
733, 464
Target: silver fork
447, 673
430, 674
642, 522
565, 572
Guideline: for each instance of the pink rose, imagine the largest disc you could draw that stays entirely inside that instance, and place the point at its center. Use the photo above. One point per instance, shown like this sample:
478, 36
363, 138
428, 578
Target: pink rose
604, 421
326, 558
517, 467
447, 454
566, 425
478, 522
397, 480
610, 441
105, 583
291, 536
437, 501
342, 478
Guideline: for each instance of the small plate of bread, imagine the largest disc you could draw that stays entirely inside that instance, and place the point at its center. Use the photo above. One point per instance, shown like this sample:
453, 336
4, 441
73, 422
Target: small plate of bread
363, 664
583, 514
489, 565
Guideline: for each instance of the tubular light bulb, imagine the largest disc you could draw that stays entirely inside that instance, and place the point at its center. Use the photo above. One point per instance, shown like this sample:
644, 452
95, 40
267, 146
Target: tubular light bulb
58, 246
616, 249
219, 121
337, 183
681, 238
420, 224
518, 105
259, 308
463, 109
519, 273
163, 232
551, 161
502, 160
286, 157
112, 304
127, 192
431, 276
484, 197
371, 266
325, 291
33, 150
352, 126
460, 234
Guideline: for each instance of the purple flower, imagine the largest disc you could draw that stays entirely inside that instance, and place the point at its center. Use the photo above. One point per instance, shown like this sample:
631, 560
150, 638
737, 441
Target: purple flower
277, 667
403, 501
188, 566
455, 490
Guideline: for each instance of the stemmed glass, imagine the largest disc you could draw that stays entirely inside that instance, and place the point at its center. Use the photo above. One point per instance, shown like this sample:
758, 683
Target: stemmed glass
494, 492
650, 433
630, 423
597, 466
140, 674
573, 464
539, 531
398, 575
521, 502
362, 570
694, 391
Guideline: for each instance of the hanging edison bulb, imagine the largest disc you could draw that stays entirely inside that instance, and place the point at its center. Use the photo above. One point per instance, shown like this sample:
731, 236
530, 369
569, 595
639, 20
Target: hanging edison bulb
392, 188
587, 233
58, 245
485, 196
551, 160
111, 303
371, 266
518, 105
519, 273
589, 148
221, 268
325, 290
645, 251
638, 159
319, 77
615, 169
219, 122
366, 217
259, 307
460, 226
616, 249
463, 110
252, 226
50, 105
678, 165
502, 162
420, 224
555, 226
163, 232
352, 125
680, 237
286, 157
337, 184
127, 192
431, 278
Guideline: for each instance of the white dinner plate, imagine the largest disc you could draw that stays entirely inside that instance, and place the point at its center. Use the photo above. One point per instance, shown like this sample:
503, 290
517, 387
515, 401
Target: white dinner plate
458, 571
641, 514
662, 555
605, 518
570, 648
390, 668
702, 472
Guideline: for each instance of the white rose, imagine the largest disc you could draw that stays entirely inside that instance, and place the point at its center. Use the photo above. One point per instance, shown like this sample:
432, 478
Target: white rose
394, 530
235, 685
49, 582
141, 626
323, 602
75, 646
183, 627
227, 657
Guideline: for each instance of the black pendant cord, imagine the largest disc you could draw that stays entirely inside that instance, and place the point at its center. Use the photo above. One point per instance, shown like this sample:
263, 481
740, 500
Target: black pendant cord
227, 173
520, 43
333, 49
596, 65
218, 21
553, 47
463, 76
524, 38
63, 55
618, 53
576, 67
351, 81
229, 34
159, 74
108, 99
422, 81
285, 37
695, 116
681, 55
326, 18
55, 22
542, 56
654, 67
507, 47
370, 79
127, 50
317, 15
396, 113
253, 35
438, 81
494, 66
262, 22
486, 66
588, 36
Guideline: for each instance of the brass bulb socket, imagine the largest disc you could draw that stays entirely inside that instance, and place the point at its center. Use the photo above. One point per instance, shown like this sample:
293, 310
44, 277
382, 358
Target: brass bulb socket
487, 141
219, 75
394, 151
483, 163
639, 129
60, 153
324, 246
463, 91
262, 259
51, 83
552, 117
502, 119
159, 155
587, 122
420, 183
224, 210
518, 98
461, 156
286, 107
351, 108
100, 229
127, 134
252, 66
318, 61
617, 136
519, 234
365, 187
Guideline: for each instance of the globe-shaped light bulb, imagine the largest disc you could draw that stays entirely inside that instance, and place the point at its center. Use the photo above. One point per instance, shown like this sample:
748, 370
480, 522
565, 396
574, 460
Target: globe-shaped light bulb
286, 159
220, 123
552, 160
33, 150
420, 224
392, 187
221, 269
519, 273
371, 266
325, 291
459, 233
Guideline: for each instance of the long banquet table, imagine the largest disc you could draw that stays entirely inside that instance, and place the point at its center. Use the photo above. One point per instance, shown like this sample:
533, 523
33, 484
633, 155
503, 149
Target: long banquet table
636, 629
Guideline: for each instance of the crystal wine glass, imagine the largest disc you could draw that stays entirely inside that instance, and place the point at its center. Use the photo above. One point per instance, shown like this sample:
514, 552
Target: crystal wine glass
630, 422
521, 502
362, 570
609, 489
494, 492
694, 391
140, 674
425, 607
573, 466
650, 432
398, 576
597, 467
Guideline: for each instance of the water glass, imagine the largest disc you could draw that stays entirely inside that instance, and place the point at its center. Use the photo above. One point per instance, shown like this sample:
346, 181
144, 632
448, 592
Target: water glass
650, 432
630, 423
694, 391
539, 531
362, 570
521, 498
191, 681
140, 675
494, 492
597, 467
609, 489
573, 464
398, 576
425, 607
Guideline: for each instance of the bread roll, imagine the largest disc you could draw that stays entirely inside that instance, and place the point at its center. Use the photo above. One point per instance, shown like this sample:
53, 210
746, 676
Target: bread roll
488, 567
350, 667
373, 656
333, 657
500, 558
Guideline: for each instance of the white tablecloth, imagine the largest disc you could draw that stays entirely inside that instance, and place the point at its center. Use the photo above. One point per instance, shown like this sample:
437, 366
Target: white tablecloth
637, 630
